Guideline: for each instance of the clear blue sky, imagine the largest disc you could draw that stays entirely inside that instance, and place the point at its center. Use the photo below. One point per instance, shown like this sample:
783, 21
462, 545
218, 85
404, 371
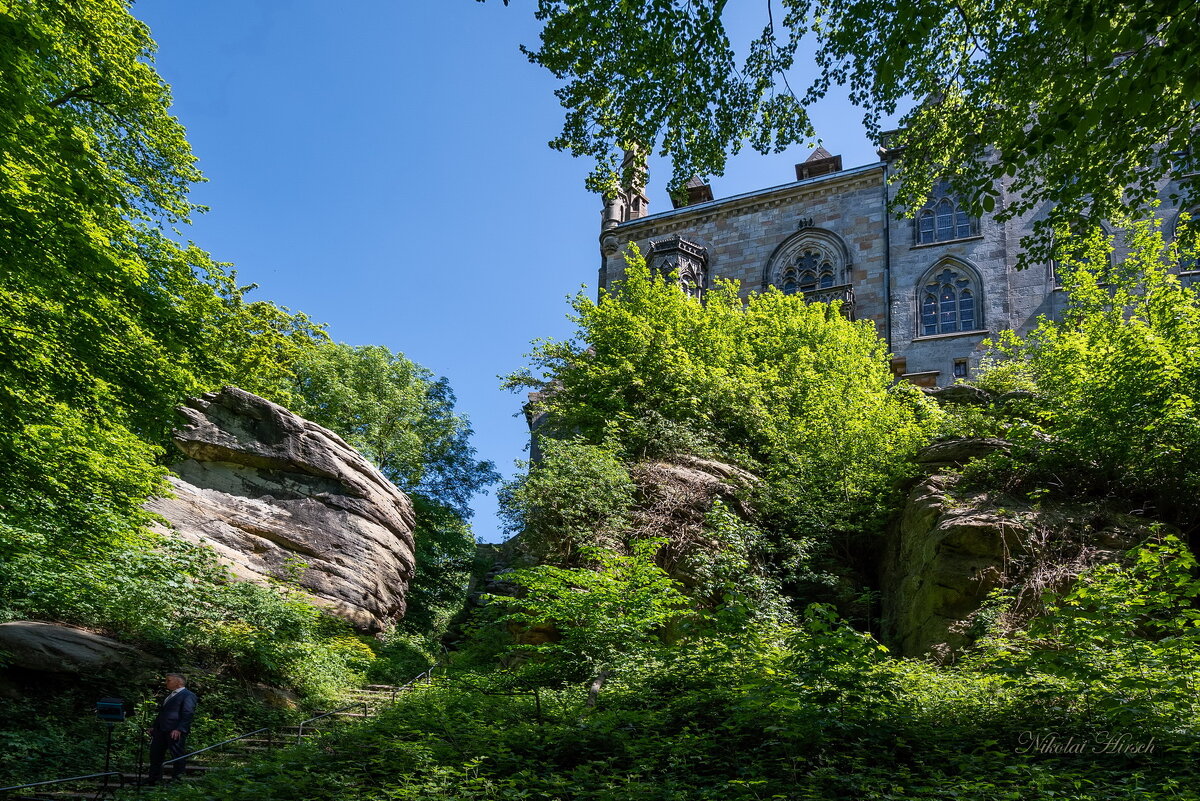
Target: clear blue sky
383, 166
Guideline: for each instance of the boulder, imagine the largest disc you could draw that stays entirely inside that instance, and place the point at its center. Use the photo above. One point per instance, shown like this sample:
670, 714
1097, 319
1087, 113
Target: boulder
270, 491
961, 451
55, 648
674, 498
950, 548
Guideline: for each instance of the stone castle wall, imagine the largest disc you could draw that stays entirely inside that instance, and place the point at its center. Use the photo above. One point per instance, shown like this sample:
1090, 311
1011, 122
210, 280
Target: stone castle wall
746, 237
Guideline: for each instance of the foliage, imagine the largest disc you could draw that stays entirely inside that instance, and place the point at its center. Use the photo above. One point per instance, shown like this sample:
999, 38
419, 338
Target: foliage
818, 712
603, 616
790, 389
176, 599
397, 415
736, 574
1116, 383
106, 322
1123, 643
996, 88
576, 495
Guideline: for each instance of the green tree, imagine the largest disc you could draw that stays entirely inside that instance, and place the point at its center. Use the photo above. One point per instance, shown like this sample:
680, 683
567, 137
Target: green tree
106, 322
398, 415
1116, 382
779, 385
578, 495
605, 615
1086, 103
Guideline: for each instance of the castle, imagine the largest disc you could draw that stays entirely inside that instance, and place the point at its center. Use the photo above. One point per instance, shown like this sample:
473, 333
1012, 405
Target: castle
935, 285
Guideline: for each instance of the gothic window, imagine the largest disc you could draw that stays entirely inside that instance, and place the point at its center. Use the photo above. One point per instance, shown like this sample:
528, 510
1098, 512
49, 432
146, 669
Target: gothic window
949, 302
807, 272
943, 220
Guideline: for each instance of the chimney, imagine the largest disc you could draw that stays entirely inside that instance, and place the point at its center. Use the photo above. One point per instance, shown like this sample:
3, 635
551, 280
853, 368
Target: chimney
819, 163
695, 191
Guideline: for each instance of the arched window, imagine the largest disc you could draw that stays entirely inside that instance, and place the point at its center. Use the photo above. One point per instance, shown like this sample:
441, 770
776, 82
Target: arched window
949, 302
813, 262
943, 220
809, 271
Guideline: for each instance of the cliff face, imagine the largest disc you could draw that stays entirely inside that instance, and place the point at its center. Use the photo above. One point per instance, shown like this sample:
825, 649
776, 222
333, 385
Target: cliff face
268, 489
949, 548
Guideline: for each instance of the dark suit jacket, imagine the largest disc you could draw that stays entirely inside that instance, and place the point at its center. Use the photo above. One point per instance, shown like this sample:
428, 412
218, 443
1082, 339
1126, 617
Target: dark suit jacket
176, 712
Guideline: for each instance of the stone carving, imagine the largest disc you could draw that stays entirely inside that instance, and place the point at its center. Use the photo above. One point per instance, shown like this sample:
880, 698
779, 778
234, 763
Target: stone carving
266, 489
687, 260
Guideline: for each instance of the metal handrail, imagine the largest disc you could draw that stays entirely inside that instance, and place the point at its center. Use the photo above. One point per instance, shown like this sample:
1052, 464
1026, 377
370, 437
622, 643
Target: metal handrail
425, 675
120, 781
218, 745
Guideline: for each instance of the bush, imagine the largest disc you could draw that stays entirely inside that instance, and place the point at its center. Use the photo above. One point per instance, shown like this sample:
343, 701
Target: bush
1116, 382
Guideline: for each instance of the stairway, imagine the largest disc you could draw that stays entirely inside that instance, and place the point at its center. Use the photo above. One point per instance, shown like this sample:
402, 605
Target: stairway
363, 703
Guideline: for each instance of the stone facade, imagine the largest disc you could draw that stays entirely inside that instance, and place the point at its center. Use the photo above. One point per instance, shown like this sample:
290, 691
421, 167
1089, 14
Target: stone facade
935, 286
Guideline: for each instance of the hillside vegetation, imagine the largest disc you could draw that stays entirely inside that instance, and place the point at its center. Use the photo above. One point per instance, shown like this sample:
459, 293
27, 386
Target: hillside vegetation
107, 322
753, 683
724, 644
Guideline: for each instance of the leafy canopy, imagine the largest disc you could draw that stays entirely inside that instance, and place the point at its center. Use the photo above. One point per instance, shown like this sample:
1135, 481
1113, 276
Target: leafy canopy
771, 382
106, 322
1087, 103
1116, 382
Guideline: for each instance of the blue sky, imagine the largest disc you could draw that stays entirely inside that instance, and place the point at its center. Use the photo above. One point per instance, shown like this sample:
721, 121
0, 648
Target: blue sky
383, 166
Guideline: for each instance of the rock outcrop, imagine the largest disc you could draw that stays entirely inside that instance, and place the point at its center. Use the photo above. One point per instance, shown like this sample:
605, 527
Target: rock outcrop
54, 648
268, 489
951, 547
674, 498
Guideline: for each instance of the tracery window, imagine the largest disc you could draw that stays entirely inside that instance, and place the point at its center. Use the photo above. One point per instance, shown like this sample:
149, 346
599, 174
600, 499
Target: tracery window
942, 220
949, 302
809, 271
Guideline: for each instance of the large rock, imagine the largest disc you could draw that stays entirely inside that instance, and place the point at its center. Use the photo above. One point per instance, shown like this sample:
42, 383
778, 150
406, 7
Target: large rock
268, 489
54, 648
951, 547
961, 451
674, 498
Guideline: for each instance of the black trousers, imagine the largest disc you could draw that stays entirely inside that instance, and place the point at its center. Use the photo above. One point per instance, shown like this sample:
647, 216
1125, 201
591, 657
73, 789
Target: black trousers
160, 744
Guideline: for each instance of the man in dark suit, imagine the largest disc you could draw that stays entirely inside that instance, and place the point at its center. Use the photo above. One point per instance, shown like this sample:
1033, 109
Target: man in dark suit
170, 728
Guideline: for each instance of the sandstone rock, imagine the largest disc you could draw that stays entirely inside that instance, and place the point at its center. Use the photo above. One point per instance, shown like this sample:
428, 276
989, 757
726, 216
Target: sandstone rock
959, 393
266, 489
673, 500
54, 648
949, 549
961, 451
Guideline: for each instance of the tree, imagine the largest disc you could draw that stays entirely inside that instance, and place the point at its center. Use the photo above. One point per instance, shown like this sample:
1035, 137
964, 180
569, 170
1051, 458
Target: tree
398, 415
1116, 382
604, 617
790, 389
1087, 104
106, 321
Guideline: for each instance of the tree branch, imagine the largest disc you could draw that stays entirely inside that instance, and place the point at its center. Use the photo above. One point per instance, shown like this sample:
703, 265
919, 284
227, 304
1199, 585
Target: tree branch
75, 94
